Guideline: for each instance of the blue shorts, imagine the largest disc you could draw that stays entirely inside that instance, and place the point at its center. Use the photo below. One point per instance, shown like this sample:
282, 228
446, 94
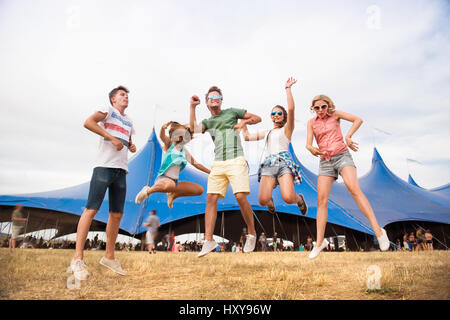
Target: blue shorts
113, 179
167, 177
276, 170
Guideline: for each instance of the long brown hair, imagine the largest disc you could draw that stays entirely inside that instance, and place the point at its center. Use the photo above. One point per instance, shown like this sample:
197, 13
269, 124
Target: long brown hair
284, 114
175, 125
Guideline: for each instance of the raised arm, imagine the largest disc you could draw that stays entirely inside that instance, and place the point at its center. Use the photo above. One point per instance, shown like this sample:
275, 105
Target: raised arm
193, 126
290, 124
249, 118
309, 141
196, 164
357, 122
164, 138
91, 124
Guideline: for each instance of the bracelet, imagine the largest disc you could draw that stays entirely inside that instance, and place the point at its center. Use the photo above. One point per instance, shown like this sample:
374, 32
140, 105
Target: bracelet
287, 87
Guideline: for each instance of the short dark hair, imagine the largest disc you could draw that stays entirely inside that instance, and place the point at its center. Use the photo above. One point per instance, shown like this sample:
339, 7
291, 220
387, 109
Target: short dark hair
153, 211
213, 88
114, 91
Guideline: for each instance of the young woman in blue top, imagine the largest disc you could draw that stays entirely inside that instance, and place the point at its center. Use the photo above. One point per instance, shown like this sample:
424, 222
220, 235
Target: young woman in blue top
173, 162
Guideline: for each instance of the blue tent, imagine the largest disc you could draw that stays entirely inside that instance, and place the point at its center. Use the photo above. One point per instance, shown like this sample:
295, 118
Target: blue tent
392, 198
442, 190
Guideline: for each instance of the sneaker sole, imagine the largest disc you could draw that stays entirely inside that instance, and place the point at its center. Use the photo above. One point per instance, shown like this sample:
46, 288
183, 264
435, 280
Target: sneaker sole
204, 254
319, 252
112, 269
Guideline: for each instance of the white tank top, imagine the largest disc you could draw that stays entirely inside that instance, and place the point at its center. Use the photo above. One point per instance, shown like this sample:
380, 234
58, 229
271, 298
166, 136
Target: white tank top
277, 142
173, 172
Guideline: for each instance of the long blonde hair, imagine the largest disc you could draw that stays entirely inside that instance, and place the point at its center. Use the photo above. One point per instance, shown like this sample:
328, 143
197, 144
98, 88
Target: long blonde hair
331, 106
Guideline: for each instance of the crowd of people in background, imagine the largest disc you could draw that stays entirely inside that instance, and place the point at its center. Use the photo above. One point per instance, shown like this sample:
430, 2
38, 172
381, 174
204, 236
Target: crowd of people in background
421, 240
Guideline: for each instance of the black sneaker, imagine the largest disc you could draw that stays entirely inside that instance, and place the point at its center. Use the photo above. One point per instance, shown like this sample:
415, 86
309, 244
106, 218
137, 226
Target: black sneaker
303, 207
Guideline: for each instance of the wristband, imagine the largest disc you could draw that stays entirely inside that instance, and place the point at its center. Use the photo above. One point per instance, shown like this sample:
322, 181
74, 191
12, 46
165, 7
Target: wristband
287, 87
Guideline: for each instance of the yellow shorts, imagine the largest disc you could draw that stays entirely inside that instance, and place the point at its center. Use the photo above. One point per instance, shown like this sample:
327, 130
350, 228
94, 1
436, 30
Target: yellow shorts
234, 171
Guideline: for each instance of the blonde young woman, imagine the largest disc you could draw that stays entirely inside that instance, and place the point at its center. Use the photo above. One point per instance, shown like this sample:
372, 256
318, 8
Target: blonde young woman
278, 167
173, 162
336, 159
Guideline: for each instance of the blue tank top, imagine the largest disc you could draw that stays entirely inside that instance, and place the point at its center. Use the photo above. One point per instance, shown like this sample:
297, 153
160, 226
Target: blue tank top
171, 158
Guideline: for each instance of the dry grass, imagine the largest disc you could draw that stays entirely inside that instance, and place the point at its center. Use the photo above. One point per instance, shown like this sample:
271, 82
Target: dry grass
40, 274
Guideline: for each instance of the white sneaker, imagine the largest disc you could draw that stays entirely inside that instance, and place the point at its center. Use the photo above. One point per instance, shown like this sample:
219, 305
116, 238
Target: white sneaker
113, 265
250, 243
383, 241
170, 199
141, 195
79, 269
315, 251
207, 247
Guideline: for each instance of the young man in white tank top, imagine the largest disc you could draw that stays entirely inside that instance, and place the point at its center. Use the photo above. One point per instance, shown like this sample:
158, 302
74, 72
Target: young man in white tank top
278, 166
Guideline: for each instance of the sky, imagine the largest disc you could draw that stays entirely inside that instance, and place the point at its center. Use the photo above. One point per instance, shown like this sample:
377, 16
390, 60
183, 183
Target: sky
384, 61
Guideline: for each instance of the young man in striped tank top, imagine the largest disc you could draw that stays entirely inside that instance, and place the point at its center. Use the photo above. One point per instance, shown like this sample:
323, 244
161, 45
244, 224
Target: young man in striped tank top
115, 129
336, 159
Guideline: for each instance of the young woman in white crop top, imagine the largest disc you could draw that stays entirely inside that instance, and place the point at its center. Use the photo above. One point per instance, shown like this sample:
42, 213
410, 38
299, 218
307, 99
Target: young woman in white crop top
278, 166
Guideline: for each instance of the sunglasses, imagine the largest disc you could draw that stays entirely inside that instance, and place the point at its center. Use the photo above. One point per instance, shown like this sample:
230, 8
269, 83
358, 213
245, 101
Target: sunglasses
274, 113
317, 108
213, 96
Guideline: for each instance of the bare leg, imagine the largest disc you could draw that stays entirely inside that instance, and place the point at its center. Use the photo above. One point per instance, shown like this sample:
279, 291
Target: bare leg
287, 190
82, 231
12, 244
351, 181
324, 185
162, 185
186, 189
265, 190
210, 215
246, 211
112, 229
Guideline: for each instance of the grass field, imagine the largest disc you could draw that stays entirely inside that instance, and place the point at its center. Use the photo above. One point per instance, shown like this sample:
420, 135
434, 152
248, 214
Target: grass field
40, 274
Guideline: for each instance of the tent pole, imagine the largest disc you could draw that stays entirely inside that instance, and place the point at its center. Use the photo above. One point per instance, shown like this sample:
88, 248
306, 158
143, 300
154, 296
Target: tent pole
4, 226
443, 233
307, 227
273, 224
221, 227
262, 227
298, 232
57, 231
26, 224
356, 242
281, 225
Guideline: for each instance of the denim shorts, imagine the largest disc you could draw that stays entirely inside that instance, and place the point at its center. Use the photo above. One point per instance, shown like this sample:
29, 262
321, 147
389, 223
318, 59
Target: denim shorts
333, 167
276, 170
167, 177
113, 179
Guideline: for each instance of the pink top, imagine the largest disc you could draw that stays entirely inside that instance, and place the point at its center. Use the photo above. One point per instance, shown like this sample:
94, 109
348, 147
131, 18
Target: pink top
327, 132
